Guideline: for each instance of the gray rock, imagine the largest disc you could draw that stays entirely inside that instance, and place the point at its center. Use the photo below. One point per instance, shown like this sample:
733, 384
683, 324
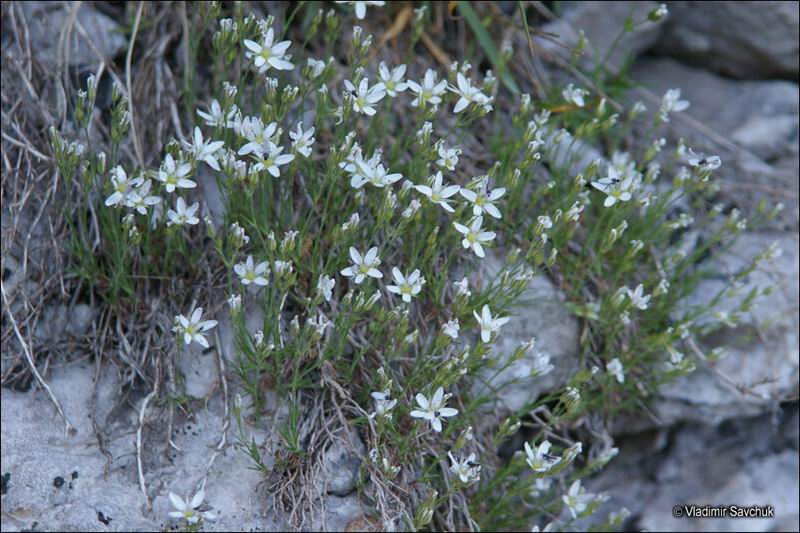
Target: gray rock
343, 514
746, 462
341, 463
602, 22
541, 314
35, 452
738, 39
50, 23
761, 116
762, 351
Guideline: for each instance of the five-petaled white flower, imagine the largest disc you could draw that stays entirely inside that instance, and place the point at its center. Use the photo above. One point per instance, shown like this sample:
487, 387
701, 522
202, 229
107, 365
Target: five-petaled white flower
574, 95
468, 94
361, 6
302, 140
393, 80
704, 162
203, 150
256, 133
383, 404
268, 54
363, 266
438, 192
122, 186
450, 328
140, 198
671, 103
325, 286
488, 324
434, 409
474, 237
429, 91
615, 187
183, 214
467, 470
541, 364
373, 172
193, 328
576, 499
448, 157
173, 175
216, 118
614, 367
638, 299
252, 273
539, 458
365, 96
482, 199
270, 157
189, 511
406, 286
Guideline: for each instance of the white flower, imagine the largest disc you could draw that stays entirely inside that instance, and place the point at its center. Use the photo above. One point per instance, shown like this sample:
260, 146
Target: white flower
412, 208
393, 80
448, 157
235, 302
215, 118
703, 162
670, 103
615, 187
283, 267
451, 328
188, 511
576, 499
250, 273
182, 214
363, 266
139, 199
541, 364
383, 404
468, 93
473, 236
488, 324
316, 67
373, 172
257, 134
173, 175
406, 286
325, 286
361, 7
271, 157
434, 409
539, 458
429, 91
462, 287
438, 192
637, 298
614, 367
365, 96
204, 150
574, 95
545, 221
320, 324
192, 328
483, 200
267, 54
122, 186
467, 470
302, 140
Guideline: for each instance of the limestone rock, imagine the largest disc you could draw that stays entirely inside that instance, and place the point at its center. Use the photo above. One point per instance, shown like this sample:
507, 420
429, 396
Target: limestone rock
738, 39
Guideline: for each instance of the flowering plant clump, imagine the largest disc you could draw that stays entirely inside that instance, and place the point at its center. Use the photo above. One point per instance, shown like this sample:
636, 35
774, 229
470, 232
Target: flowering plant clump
356, 228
